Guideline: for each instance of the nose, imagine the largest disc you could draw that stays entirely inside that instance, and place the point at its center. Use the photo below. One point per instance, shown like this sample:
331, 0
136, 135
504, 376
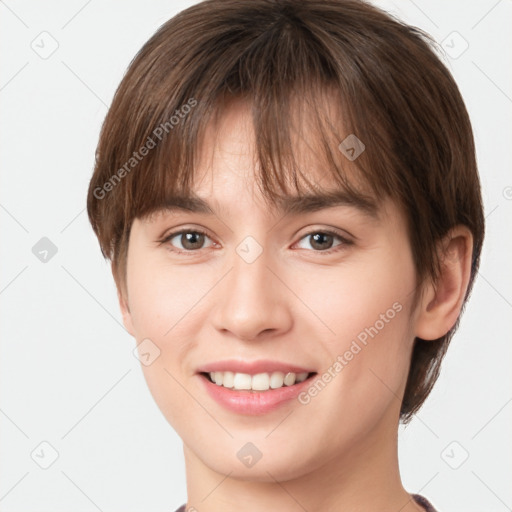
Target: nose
252, 301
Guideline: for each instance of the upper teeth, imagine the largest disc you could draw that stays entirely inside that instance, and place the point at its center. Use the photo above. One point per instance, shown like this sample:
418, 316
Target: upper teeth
258, 382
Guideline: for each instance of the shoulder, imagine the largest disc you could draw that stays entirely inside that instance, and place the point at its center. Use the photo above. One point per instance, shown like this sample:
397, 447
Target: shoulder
417, 498
420, 500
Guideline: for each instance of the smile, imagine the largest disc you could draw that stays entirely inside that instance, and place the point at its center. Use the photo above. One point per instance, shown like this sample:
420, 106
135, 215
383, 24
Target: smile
242, 398
258, 382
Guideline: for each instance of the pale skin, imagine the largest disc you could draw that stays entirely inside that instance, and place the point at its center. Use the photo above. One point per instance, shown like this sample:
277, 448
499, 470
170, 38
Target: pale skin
293, 304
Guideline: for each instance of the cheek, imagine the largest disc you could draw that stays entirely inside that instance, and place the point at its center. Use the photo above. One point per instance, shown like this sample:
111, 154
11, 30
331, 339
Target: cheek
162, 310
366, 337
160, 297
359, 298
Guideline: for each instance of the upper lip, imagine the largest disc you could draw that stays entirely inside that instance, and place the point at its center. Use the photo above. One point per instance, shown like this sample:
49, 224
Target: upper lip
252, 367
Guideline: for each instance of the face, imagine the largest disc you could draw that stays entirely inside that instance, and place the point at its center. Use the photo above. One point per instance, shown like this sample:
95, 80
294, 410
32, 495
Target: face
327, 293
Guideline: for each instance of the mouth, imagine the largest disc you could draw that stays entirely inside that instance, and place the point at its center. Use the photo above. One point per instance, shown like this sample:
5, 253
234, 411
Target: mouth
255, 394
256, 383
254, 387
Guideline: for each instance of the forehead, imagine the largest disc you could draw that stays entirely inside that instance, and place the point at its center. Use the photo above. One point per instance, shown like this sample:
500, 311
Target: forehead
305, 129
229, 146
228, 164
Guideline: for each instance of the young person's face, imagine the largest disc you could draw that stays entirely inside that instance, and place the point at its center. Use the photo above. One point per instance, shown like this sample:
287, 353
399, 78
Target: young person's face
348, 313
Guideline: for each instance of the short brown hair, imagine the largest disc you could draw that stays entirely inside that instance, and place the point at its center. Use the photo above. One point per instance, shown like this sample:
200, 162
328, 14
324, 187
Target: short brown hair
395, 94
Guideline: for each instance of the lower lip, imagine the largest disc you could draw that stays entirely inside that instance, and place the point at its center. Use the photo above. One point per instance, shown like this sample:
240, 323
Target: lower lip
253, 402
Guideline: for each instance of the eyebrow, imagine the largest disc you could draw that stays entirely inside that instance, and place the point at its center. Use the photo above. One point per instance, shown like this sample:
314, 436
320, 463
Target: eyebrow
289, 205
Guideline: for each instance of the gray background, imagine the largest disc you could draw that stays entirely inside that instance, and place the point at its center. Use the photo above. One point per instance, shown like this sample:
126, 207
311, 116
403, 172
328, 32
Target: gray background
68, 375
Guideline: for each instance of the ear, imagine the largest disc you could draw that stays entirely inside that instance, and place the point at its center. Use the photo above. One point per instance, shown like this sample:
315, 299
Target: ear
442, 301
123, 304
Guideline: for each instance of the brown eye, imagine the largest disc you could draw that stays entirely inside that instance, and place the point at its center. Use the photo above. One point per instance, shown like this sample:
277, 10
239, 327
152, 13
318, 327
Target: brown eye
186, 240
322, 241
192, 240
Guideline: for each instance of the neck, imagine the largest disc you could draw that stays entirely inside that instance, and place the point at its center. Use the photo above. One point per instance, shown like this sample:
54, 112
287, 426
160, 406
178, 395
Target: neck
364, 477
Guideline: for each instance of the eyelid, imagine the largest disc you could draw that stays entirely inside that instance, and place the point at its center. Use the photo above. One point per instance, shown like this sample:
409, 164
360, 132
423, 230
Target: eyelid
342, 233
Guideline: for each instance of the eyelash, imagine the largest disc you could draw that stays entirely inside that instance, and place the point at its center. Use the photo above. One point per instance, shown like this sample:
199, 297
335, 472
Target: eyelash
341, 246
